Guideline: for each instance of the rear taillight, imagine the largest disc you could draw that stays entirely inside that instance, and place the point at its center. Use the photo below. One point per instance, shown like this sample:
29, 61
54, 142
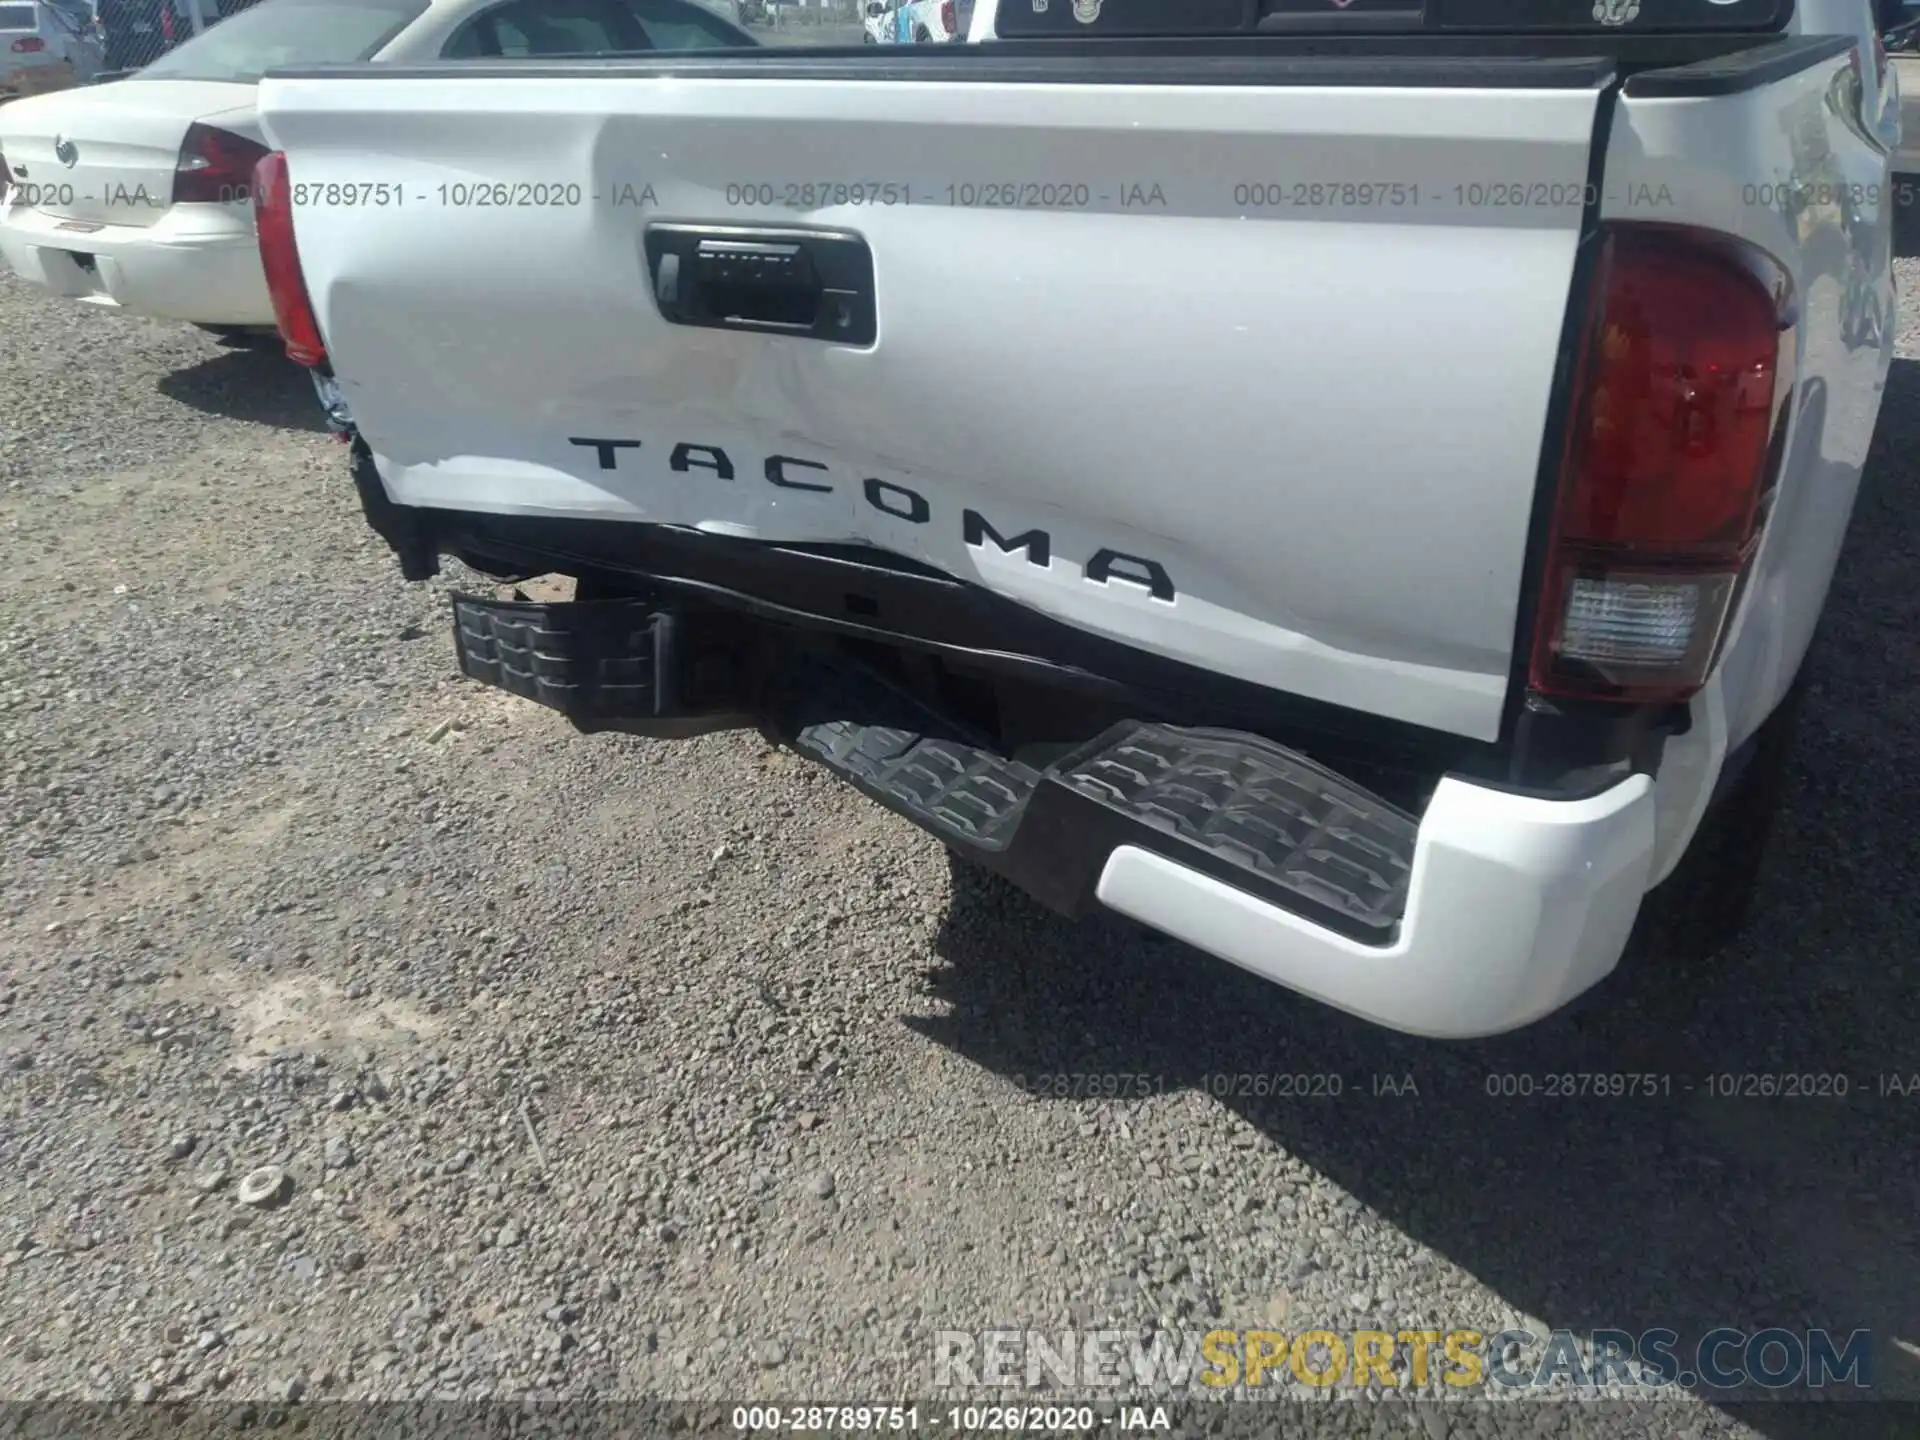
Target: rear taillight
215, 166
29, 45
280, 258
1685, 364
946, 17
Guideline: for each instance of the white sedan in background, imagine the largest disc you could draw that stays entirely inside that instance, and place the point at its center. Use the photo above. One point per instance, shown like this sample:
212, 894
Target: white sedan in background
46, 45
135, 194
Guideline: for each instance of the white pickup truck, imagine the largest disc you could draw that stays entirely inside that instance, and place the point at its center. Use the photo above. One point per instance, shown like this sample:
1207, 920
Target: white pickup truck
1347, 485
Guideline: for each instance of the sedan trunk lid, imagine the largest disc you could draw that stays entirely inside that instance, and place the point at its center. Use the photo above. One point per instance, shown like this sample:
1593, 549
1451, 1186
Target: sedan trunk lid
107, 154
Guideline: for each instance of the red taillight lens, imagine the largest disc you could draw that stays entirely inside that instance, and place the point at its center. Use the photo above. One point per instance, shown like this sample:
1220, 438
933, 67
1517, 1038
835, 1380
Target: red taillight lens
1686, 358
215, 167
946, 16
29, 45
280, 258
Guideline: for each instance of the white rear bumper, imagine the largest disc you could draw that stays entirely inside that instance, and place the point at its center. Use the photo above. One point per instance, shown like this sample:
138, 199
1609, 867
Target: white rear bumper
197, 263
1516, 906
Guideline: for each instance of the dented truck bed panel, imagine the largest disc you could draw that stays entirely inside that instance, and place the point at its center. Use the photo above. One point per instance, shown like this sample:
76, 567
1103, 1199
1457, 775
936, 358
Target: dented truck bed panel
1144, 359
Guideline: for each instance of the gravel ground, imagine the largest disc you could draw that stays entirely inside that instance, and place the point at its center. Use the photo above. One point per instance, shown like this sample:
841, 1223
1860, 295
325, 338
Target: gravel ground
614, 1067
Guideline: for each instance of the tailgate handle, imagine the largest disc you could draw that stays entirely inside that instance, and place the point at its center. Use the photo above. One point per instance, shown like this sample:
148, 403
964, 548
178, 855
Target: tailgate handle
815, 284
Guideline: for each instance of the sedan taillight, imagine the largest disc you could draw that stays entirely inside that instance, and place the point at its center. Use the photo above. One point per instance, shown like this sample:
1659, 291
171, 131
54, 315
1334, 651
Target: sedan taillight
215, 167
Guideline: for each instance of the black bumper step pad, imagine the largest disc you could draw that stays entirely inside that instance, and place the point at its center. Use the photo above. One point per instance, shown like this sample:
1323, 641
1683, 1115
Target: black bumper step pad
1237, 807
918, 762
962, 793
1258, 807
594, 661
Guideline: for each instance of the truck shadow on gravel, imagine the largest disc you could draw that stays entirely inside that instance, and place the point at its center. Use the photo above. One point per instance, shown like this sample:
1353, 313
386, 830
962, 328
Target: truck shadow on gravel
1688, 1210
256, 384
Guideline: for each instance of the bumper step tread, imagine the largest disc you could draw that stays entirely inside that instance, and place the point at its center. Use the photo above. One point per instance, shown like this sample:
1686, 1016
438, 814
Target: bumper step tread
1238, 807
962, 792
599, 659
1259, 807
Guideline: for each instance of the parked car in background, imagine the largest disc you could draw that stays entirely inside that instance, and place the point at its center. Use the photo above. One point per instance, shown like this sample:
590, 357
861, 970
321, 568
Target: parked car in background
138, 32
911, 22
134, 194
46, 46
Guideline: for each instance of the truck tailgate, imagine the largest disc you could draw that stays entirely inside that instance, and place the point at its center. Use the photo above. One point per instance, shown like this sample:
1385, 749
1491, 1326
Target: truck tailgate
1251, 368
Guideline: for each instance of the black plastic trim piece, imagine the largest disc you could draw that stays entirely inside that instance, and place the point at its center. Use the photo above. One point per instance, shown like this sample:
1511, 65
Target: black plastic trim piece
1518, 769
401, 526
798, 280
1740, 72
1565, 751
609, 660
